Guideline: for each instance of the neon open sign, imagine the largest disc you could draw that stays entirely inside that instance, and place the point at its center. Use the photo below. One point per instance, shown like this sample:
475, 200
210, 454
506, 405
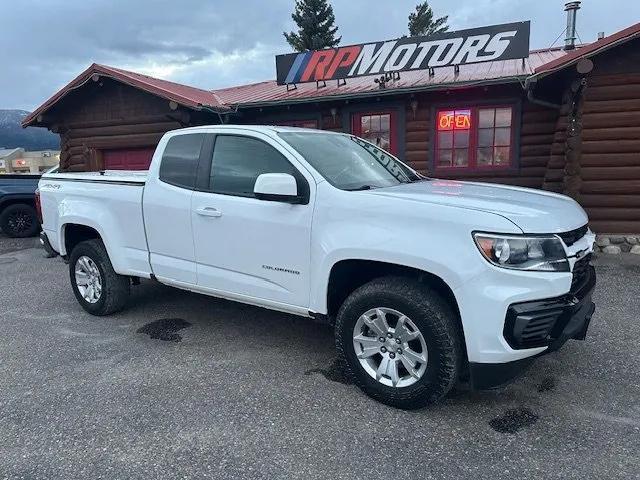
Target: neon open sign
454, 120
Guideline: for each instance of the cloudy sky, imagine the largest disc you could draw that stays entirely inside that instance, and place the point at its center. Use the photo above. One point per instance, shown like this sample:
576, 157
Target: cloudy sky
218, 43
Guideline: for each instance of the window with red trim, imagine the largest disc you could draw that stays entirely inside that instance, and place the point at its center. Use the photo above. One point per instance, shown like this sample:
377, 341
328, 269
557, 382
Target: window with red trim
298, 123
376, 127
474, 137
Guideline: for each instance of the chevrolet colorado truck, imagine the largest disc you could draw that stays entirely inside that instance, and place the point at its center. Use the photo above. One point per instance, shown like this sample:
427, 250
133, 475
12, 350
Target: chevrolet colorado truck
427, 282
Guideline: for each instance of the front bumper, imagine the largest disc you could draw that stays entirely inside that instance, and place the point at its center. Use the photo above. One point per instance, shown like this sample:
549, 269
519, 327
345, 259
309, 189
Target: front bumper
551, 322
543, 323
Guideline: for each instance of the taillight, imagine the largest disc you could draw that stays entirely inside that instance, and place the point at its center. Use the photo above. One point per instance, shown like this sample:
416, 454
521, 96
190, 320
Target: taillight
38, 206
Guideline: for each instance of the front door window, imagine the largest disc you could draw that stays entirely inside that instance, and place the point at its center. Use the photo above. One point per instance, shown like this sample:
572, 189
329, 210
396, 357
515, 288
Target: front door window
377, 128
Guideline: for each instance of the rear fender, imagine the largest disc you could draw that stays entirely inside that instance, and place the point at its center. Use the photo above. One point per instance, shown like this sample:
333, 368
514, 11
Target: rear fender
120, 230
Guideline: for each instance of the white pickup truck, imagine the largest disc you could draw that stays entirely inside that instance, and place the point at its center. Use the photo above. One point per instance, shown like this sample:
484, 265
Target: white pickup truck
427, 281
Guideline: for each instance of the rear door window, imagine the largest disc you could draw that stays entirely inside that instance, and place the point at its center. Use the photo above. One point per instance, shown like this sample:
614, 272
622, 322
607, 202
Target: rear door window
179, 165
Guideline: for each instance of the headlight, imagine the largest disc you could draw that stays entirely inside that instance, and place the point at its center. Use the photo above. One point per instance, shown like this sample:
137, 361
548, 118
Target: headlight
533, 253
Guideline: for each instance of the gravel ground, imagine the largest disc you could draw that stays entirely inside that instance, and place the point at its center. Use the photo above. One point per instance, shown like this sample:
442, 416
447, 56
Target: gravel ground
184, 386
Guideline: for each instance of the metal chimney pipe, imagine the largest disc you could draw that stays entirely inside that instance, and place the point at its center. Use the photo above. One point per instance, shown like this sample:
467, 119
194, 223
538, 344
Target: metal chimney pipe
572, 9
600, 35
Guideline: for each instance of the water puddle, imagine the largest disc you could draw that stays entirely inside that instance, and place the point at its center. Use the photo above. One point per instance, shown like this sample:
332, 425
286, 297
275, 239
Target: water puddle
333, 372
514, 420
165, 329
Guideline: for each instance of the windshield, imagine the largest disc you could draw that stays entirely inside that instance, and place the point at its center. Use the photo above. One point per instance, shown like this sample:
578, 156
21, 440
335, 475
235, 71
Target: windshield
348, 162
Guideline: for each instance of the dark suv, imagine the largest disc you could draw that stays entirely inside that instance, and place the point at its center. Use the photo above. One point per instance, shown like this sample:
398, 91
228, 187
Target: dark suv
18, 217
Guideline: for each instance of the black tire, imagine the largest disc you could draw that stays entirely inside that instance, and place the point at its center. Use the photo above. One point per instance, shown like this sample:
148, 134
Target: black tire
435, 319
19, 221
115, 288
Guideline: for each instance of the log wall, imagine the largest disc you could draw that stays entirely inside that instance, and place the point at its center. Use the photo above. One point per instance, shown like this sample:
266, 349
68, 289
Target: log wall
110, 115
610, 161
417, 134
607, 182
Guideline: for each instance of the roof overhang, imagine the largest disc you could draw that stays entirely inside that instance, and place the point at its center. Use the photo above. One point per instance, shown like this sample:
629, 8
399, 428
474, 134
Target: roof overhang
383, 92
586, 51
95, 71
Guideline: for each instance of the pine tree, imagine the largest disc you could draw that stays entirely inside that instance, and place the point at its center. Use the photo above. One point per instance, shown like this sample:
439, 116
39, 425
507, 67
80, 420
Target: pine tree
316, 26
421, 22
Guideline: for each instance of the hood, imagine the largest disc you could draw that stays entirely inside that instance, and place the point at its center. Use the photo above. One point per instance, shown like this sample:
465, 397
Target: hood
533, 211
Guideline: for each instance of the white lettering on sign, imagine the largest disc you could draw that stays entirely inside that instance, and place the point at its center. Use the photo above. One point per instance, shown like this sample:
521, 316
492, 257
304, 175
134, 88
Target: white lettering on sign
445, 51
469, 51
400, 57
424, 48
497, 45
371, 59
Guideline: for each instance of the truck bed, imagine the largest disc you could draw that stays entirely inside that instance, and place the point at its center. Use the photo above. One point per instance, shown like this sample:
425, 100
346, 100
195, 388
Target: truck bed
109, 202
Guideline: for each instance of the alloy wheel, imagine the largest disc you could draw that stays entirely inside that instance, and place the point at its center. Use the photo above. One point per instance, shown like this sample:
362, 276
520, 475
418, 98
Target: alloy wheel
88, 279
390, 347
19, 222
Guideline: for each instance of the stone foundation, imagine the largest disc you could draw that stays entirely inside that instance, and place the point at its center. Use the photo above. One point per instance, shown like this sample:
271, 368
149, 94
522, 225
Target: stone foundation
615, 244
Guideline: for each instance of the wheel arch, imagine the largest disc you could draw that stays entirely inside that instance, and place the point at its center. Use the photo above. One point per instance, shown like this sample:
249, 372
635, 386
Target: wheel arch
347, 275
71, 234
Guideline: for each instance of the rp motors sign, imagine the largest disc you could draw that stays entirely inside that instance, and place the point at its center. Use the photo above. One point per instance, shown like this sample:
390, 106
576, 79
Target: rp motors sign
496, 42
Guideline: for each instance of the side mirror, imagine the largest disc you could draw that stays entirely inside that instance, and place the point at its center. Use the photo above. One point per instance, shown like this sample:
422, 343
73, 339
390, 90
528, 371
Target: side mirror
276, 187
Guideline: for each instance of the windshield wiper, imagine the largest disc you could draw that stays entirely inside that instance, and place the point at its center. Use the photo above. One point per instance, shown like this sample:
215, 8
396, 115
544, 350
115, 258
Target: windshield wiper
361, 187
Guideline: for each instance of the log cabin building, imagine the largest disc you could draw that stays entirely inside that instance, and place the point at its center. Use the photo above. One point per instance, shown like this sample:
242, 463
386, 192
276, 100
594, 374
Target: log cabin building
564, 119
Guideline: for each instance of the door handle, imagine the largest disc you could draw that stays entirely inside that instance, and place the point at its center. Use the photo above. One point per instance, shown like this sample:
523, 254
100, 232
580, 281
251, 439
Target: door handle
209, 212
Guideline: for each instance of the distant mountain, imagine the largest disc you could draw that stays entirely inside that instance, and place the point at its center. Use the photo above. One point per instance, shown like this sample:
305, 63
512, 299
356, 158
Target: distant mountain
12, 135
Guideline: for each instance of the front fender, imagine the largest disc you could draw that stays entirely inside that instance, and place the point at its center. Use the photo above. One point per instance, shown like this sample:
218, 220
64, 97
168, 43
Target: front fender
436, 239
452, 275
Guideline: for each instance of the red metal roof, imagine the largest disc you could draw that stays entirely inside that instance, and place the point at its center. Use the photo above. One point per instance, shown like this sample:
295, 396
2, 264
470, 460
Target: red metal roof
501, 71
589, 50
182, 94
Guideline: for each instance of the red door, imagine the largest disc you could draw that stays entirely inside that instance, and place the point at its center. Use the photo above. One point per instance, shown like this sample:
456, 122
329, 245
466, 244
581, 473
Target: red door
127, 158
378, 128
